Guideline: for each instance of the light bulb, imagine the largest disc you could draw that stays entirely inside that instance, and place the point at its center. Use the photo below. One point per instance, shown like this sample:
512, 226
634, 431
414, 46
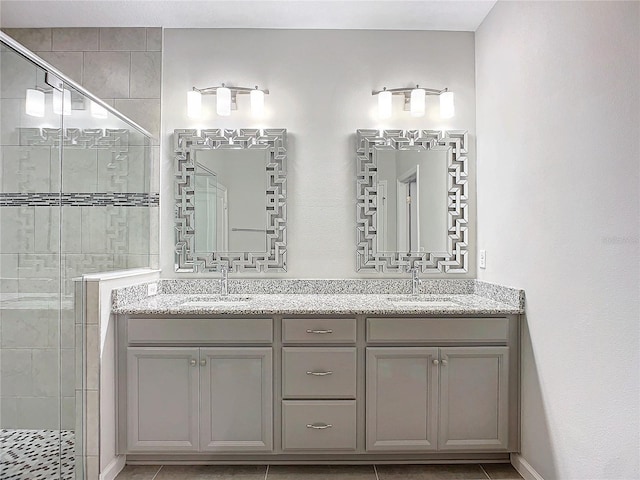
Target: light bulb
194, 104
98, 111
418, 96
34, 103
447, 108
223, 101
61, 102
384, 104
257, 103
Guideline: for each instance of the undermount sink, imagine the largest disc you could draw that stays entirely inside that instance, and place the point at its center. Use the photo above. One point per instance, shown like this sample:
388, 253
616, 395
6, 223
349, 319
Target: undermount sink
420, 301
218, 300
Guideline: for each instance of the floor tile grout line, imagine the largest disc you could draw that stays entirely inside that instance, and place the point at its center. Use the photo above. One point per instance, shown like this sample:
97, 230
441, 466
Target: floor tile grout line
484, 471
154, 477
375, 470
266, 472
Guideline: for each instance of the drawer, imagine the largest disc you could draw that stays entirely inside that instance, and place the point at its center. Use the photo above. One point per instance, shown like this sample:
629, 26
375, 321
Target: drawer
318, 425
309, 372
200, 330
319, 330
440, 330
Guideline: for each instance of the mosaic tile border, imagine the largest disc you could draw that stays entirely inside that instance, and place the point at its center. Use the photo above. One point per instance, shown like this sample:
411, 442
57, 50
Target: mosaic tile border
101, 199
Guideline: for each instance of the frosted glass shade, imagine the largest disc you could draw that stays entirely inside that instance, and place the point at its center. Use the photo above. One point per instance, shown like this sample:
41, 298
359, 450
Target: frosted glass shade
62, 102
223, 101
34, 103
384, 104
447, 108
194, 104
418, 96
98, 111
257, 103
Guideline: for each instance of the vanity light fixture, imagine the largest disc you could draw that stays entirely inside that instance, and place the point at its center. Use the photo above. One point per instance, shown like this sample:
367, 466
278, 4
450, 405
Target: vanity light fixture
98, 111
34, 103
414, 100
225, 100
61, 102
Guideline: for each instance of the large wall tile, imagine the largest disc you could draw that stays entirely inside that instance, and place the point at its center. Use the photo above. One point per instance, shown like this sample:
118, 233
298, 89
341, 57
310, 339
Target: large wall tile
39, 273
106, 74
39, 412
45, 372
123, 39
17, 75
79, 170
8, 412
67, 367
68, 413
46, 226
25, 328
154, 39
26, 169
69, 63
71, 230
16, 372
145, 112
20, 237
75, 39
35, 39
145, 74
8, 272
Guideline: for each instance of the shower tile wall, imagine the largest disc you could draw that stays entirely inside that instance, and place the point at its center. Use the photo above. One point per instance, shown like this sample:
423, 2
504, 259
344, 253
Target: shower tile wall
39, 328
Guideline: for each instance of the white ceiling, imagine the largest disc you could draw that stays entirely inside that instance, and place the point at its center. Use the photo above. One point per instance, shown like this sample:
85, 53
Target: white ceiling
455, 15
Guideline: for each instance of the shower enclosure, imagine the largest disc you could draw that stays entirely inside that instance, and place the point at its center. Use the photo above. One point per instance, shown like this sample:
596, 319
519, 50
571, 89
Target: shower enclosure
75, 199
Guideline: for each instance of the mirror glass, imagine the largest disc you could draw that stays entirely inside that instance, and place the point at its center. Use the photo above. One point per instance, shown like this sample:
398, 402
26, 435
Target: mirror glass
230, 200
412, 200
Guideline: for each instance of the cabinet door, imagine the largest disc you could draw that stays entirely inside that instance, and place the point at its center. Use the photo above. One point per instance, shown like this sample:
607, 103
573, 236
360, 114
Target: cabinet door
162, 399
474, 398
236, 399
402, 398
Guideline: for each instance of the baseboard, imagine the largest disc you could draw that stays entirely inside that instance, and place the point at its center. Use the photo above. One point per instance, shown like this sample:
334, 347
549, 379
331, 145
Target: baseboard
524, 468
114, 468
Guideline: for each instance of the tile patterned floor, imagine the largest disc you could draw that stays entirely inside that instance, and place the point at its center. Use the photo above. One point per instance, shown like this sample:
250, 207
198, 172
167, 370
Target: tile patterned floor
321, 472
37, 454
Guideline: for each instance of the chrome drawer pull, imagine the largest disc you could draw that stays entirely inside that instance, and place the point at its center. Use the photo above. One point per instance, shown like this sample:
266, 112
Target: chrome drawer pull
319, 426
320, 332
320, 374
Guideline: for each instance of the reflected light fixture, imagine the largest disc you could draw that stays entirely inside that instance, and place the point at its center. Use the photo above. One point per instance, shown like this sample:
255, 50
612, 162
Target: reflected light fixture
98, 111
61, 102
34, 103
225, 100
414, 100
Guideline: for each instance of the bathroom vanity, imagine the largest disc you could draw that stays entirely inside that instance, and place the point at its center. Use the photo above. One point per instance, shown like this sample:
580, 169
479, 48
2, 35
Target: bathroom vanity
318, 378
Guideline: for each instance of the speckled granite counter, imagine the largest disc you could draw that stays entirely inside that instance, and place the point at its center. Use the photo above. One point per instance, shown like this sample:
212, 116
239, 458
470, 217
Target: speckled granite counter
468, 297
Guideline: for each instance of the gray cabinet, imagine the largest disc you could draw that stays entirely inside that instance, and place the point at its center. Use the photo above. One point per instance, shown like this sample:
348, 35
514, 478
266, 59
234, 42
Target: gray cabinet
199, 399
429, 398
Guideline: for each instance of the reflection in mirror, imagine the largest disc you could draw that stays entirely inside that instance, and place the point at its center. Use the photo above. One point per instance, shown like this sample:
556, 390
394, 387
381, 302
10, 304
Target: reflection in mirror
230, 200
412, 200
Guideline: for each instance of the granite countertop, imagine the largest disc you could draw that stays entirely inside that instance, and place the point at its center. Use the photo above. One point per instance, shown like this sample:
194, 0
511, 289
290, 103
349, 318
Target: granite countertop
319, 304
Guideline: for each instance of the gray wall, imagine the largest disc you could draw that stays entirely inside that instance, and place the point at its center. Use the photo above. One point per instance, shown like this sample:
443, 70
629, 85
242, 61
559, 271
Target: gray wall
320, 83
558, 180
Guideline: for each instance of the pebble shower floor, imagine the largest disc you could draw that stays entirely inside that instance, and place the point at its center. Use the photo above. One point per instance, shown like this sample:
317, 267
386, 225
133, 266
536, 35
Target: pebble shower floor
37, 454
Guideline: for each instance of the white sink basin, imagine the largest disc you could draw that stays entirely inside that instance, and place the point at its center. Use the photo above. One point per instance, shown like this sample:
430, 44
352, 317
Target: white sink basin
218, 301
420, 301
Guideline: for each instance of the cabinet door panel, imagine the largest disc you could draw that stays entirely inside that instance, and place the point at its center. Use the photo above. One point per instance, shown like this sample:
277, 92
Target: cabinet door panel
402, 398
236, 399
162, 380
474, 398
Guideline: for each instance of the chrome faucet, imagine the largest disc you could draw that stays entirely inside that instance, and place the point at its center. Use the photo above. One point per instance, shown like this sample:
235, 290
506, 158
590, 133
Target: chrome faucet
415, 281
224, 280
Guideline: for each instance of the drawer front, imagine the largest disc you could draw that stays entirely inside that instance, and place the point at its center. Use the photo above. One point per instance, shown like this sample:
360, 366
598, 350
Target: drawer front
200, 330
319, 330
318, 425
440, 330
319, 372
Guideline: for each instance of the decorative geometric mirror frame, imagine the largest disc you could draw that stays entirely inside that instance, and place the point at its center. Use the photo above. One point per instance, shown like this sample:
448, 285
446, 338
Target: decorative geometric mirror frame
186, 143
368, 259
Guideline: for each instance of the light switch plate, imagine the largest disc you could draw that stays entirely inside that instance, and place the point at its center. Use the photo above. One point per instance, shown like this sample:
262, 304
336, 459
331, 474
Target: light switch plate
482, 260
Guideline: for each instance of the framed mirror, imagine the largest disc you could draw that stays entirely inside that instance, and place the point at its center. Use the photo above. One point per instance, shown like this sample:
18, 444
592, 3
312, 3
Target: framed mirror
412, 201
230, 192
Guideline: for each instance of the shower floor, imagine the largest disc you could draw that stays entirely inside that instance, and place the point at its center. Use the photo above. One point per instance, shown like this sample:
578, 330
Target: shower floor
37, 454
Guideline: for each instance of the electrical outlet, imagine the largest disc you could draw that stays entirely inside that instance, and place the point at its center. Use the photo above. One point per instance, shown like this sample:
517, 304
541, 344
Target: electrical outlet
152, 289
482, 260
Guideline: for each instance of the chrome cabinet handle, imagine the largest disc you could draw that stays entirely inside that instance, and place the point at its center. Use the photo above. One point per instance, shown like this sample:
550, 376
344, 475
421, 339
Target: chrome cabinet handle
203, 362
320, 374
436, 362
319, 332
319, 426
193, 362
